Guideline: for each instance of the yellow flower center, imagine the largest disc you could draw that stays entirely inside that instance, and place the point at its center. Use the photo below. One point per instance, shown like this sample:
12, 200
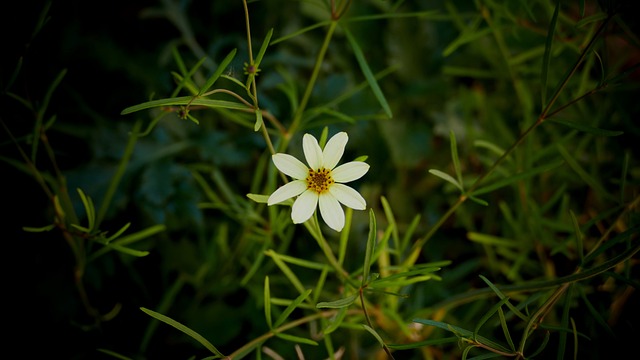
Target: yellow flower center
319, 181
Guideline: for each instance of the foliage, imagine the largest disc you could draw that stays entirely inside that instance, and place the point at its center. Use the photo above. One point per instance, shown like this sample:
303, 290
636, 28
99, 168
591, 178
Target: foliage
502, 195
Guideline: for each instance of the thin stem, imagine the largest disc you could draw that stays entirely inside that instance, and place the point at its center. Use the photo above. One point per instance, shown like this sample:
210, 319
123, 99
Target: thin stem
297, 119
415, 252
314, 227
252, 84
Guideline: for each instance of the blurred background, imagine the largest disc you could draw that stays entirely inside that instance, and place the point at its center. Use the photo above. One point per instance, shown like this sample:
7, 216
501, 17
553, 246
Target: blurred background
118, 54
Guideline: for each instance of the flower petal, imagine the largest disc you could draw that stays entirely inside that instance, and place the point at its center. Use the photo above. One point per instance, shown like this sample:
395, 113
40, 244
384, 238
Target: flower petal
287, 191
290, 166
348, 196
331, 211
350, 171
304, 206
312, 151
334, 149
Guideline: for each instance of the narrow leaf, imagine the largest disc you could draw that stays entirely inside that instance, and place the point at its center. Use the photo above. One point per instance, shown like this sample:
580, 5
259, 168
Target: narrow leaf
259, 121
296, 339
455, 158
547, 52
223, 65
576, 228
375, 334
338, 304
371, 243
90, 210
366, 71
337, 320
587, 128
302, 297
593, 183
487, 316
199, 338
446, 177
263, 48
38, 229
267, 302
517, 177
185, 100
259, 198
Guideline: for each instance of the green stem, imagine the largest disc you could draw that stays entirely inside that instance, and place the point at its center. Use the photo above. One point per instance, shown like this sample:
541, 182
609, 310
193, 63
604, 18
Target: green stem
415, 252
297, 119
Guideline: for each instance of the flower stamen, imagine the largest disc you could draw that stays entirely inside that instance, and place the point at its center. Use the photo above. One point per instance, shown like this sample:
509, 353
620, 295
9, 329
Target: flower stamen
319, 181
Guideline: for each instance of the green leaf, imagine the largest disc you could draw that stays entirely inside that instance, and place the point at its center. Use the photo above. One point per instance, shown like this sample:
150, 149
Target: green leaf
501, 295
296, 339
302, 297
465, 38
455, 158
129, 239
446, 177
366, 71
587, 128
259, 198
259, 121
375, 334
221, 68
89, 209
118, 233
517, 177
487, 316
338, 304
185, 100
591, 19
371, 244
199, 338
592, 182
578, 233
337, 320
39, 229
277, 258
463, 333
391, 220
267, 302
492, 240
263, 48
547, 52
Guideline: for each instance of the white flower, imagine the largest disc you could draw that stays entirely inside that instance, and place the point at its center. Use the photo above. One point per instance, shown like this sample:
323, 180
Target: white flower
320, 184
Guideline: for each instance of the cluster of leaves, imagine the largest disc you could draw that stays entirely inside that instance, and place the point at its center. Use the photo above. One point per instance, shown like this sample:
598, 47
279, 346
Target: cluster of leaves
521, 242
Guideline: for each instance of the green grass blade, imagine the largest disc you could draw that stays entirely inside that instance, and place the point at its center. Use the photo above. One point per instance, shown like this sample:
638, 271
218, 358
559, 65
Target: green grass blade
371, 245
455, 158
586, 128
296, 339
484, 318
267, 302
89, 209
263, 48
277, 258
184, 100
285, 314
199, 338
366, 71
446, 177
546, 59
375, 334
461, 332
501, 295
588, 179
517, 177
578, 233
338, 304
221, 68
